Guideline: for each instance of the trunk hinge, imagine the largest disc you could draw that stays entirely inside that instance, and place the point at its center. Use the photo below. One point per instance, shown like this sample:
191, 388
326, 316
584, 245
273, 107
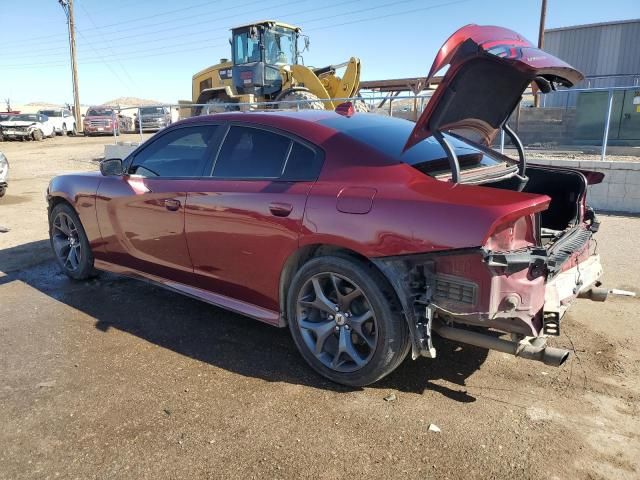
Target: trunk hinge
454, 164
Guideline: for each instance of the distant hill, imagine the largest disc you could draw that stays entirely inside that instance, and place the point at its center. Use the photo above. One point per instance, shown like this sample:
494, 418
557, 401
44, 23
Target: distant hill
132, 101
42, 105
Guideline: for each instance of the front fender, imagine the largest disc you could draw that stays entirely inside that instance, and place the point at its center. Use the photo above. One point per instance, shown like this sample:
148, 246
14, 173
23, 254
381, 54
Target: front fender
79, 191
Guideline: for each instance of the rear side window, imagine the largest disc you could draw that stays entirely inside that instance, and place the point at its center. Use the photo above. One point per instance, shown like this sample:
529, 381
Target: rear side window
303, 164
251, 153
183, 152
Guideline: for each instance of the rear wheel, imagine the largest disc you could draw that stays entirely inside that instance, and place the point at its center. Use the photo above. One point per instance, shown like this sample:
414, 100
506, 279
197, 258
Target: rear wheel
69, 242
342, 318
303, 99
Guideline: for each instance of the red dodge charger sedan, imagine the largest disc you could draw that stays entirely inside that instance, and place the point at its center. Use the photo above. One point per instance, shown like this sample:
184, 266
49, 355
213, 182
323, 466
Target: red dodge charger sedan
364, 234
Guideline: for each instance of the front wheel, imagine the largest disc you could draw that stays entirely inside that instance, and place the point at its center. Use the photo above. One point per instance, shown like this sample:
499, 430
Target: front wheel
69, 242
63, 132
344, 320
37, 135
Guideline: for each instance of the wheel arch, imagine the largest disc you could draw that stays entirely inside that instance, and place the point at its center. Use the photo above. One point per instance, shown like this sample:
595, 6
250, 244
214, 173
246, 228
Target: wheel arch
54, 200
224, 93
305, 253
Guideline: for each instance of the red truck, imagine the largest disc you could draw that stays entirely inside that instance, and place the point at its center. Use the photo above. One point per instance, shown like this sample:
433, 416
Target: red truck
103, 119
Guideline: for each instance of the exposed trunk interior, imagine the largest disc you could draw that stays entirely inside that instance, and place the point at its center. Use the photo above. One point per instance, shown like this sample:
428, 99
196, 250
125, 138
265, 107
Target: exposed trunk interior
565, 188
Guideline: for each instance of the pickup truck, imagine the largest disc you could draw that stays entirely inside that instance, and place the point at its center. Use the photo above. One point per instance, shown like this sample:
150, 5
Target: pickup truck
105, 119
62, 120
153, 118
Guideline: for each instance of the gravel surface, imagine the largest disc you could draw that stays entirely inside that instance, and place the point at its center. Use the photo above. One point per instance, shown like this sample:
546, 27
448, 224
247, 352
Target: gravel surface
114, 378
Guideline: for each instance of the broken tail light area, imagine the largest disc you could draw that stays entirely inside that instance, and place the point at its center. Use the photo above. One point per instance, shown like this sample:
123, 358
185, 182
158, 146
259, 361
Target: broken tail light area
466, 289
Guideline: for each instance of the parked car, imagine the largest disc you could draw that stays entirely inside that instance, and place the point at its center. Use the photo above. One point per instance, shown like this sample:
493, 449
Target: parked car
103, 119
364, 234
62, 119
153, 118
27, 126
4, 174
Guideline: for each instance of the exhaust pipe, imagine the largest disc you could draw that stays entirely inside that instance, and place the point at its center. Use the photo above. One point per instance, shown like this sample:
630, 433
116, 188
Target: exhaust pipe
548, 355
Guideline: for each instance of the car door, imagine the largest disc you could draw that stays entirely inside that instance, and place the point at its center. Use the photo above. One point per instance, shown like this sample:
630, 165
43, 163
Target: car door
68, 120
141, 214
246, 220
46, 125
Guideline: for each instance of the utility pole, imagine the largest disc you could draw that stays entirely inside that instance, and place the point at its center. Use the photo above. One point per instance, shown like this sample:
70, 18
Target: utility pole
543, 18
67, 6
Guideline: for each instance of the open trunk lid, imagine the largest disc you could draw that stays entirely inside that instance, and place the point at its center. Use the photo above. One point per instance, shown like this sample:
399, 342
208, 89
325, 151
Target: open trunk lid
489, 69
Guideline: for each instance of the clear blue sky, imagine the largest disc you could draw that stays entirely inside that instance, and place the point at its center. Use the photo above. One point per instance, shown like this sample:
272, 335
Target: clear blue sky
151, 48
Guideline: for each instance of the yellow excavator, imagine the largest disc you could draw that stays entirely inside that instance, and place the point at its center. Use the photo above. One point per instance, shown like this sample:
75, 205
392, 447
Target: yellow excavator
265, 67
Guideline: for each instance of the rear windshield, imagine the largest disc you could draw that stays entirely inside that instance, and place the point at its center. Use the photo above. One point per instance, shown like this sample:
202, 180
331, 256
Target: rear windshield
389, 135
51, 113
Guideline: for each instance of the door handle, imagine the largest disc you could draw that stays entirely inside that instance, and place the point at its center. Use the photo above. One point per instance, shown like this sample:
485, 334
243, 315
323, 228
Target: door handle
280, 209
172, 204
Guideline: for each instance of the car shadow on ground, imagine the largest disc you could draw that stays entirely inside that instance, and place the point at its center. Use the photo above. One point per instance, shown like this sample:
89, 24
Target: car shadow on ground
215, 336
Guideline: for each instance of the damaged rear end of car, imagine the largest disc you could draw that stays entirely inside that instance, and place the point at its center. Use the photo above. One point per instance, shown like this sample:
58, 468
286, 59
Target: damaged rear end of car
539, 254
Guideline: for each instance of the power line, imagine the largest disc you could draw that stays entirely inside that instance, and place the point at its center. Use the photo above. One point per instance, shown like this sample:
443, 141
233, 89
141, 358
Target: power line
219, 20
324, 27
117, 23
207, 22
132, 82
200, 32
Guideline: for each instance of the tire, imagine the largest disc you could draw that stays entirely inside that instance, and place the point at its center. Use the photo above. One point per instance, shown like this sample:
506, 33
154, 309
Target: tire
63, 132
3, 190
217, 105
368, 332
74, 130
308, 101
37, 135
360, 106
66, 233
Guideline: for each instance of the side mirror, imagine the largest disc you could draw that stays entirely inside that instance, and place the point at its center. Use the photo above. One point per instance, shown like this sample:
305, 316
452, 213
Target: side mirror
111, 167
82, 115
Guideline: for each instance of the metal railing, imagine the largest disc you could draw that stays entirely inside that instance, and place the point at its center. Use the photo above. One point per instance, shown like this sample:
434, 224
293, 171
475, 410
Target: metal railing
208, 108
411, 107
607, 114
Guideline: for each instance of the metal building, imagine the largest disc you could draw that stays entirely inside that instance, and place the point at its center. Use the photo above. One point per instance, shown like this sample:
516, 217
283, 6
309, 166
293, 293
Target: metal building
607, 53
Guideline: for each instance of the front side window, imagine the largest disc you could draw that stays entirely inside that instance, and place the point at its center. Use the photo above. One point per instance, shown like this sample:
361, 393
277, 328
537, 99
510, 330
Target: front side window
246, 48
183, 152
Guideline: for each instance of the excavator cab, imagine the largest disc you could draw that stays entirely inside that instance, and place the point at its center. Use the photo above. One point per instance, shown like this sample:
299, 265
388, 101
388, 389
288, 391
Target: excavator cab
260, 50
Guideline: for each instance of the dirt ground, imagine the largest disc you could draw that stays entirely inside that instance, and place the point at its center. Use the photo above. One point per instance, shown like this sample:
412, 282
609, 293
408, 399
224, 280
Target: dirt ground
114, 378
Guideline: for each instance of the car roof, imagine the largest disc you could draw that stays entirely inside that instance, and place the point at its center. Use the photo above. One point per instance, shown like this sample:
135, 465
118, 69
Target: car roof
314, 125
338, 121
